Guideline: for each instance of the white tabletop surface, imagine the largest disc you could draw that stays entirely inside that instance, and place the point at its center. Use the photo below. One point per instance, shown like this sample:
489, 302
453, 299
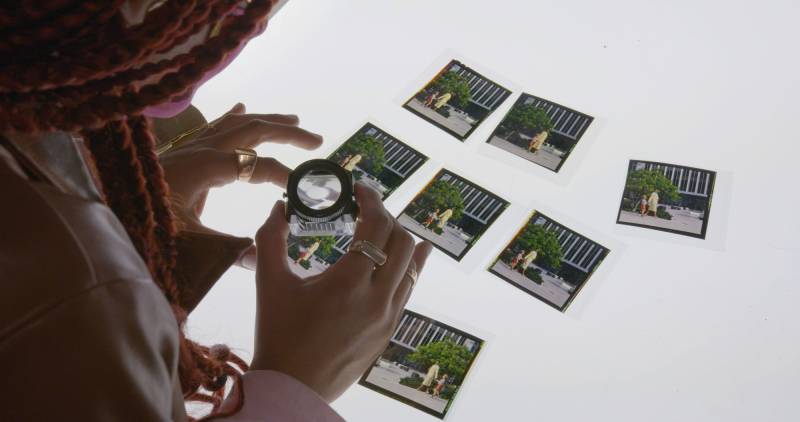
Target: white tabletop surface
670, 328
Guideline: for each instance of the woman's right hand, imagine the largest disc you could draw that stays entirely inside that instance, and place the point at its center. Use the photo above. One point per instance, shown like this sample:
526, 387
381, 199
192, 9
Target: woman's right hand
326, 330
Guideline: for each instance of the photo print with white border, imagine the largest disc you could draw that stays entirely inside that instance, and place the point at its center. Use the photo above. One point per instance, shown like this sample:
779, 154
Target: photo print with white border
424, 365
378, 159
667, 197
457, 100
452, 213
549, 261
540, 131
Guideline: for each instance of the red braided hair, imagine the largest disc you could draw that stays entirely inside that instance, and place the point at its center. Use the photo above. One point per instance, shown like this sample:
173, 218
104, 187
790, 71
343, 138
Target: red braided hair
75, 66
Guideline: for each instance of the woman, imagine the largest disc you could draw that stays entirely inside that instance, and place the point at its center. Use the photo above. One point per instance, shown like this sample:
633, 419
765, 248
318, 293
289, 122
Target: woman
517, 258
652, 204
432, 216
437, 391
444, 218
306, 254
528, 260
431, 98
442, 100
430, 376
537, 141
103, 253
353, 162
643, 206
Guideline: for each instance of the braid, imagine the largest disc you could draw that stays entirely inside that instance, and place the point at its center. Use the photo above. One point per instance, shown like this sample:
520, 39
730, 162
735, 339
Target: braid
124, 185
164, 230
71, 114
90, 87
63, 27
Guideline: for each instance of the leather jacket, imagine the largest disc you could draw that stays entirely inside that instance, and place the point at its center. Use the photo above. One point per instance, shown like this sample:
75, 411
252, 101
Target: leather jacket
81, 323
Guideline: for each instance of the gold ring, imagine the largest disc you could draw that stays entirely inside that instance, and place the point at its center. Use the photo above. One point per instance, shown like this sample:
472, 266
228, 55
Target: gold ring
412, 274
374, 253
246, 160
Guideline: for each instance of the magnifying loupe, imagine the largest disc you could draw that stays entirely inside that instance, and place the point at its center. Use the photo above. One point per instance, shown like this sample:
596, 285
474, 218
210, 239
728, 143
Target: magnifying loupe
320, 201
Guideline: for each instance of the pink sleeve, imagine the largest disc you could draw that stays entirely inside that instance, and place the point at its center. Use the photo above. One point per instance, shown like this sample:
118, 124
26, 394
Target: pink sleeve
271, 396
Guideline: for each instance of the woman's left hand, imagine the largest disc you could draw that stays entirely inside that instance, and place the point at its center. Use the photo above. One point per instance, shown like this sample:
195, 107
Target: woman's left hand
209, 159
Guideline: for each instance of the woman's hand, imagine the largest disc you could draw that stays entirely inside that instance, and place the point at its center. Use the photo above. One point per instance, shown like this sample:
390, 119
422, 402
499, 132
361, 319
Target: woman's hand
328, 329
209, 160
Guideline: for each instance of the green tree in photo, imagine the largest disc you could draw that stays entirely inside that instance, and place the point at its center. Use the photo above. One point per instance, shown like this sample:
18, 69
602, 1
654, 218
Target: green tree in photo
544, 242
644, 182
527, 118
371, 151
326, 244
452, 358
441, 195
456, 85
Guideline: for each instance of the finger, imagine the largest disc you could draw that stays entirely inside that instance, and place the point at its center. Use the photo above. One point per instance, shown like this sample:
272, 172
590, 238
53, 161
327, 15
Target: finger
248, 259
374, 225
254, 132
418, 259
398, 250
238, 108
233, 119
222, 168
271, 241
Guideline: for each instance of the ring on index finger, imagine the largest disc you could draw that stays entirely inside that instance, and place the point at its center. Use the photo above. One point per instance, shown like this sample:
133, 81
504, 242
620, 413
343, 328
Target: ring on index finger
374, 253
246, 160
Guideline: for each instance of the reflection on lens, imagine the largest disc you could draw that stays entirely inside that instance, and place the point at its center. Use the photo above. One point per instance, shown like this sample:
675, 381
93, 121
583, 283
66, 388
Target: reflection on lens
319, 189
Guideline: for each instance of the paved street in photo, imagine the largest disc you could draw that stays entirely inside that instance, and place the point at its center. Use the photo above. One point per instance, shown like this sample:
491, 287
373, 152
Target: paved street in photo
450, 239
315, 268
389, 379
681, 220
550, 288
454, 123
543, 157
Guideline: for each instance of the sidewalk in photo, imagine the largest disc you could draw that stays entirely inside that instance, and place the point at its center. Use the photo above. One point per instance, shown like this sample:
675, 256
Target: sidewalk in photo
544, 157
450, 240
454, 123
681, 220
550, 289
315, 268
389, 379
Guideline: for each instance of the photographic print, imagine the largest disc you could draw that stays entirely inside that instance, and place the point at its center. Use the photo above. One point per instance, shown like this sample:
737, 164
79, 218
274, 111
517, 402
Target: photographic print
549, 261
452, 213
309, 256
378, 159
540, 131
457, 100
424, 365
667, 197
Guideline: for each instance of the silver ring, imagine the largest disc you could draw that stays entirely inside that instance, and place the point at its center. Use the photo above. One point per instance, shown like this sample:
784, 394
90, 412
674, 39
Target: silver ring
412, 274
365, 247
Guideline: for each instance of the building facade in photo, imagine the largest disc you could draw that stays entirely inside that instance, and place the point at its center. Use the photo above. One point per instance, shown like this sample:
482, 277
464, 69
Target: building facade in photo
401, 159
479, 205
694, 185
567, 122
577, 251
483, 92
415, 331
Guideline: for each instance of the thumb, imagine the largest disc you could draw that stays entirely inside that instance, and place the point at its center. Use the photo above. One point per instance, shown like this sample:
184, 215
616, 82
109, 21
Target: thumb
271, 242
238, 108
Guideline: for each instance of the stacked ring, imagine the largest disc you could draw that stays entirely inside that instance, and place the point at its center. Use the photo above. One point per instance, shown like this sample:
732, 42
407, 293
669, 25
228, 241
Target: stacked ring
374, 253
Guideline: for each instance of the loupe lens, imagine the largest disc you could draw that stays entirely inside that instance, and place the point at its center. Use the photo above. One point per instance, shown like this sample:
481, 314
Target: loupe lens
319, 190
